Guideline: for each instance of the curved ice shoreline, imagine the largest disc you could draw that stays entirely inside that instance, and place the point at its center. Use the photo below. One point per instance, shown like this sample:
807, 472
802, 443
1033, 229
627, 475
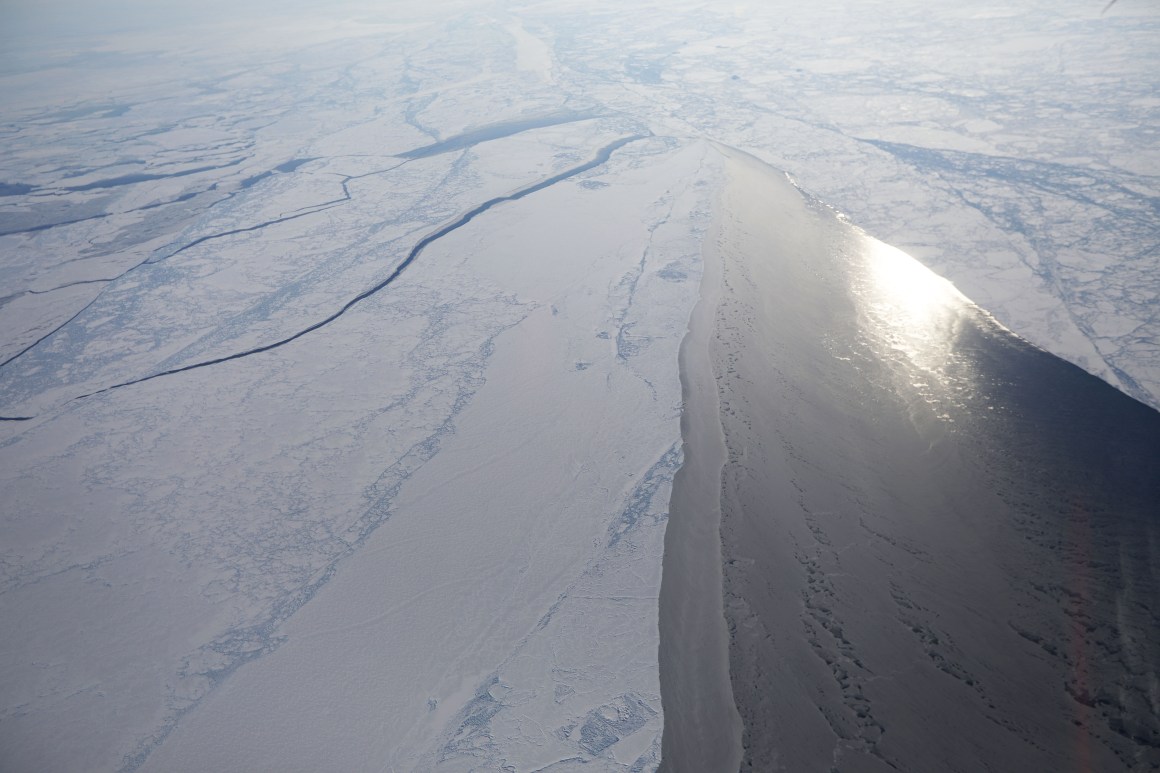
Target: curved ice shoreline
938, 541
694, 642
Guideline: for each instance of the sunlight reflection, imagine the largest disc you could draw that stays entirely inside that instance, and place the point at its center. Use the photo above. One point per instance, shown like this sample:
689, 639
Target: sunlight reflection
911, 319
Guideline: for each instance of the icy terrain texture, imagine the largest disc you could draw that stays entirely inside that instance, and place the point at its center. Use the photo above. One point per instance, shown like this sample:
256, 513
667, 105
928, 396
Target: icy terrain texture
1012, 149
338, 348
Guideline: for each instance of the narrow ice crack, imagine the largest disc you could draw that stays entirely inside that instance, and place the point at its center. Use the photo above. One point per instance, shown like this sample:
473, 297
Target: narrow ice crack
155, 205
152, 261
494, 132
601, 158
624, 349
113, 182
68, 285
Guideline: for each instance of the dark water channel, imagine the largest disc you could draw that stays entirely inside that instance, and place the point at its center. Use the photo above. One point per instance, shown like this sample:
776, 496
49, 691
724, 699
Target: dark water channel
941, 545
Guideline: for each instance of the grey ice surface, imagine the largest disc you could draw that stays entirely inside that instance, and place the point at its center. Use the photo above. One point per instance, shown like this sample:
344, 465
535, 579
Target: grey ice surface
293, 301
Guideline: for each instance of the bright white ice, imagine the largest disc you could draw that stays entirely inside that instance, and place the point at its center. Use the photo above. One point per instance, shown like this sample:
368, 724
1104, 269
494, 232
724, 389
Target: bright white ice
257, 516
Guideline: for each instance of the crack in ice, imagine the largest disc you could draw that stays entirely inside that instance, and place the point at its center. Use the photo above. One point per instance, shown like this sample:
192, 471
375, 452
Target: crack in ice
601, 158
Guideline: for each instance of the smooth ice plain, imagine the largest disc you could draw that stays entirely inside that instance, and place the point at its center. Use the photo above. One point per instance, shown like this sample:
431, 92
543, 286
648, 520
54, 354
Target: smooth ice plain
341, 359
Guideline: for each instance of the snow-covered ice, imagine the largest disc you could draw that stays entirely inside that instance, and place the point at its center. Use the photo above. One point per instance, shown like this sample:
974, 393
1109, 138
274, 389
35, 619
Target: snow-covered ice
270, 501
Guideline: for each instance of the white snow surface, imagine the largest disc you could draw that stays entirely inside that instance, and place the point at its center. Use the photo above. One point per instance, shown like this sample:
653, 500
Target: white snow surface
258, 514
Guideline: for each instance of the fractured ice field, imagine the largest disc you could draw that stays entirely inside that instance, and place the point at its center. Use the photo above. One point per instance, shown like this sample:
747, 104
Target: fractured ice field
480, 386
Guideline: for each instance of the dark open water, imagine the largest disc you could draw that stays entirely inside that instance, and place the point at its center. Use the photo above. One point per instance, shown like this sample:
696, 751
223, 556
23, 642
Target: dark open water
941, 544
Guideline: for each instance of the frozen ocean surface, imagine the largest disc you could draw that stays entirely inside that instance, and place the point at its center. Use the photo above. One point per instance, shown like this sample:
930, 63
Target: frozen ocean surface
338, 348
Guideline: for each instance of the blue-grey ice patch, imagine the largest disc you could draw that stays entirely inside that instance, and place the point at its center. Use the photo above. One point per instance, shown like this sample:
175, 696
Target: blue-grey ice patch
608, 724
